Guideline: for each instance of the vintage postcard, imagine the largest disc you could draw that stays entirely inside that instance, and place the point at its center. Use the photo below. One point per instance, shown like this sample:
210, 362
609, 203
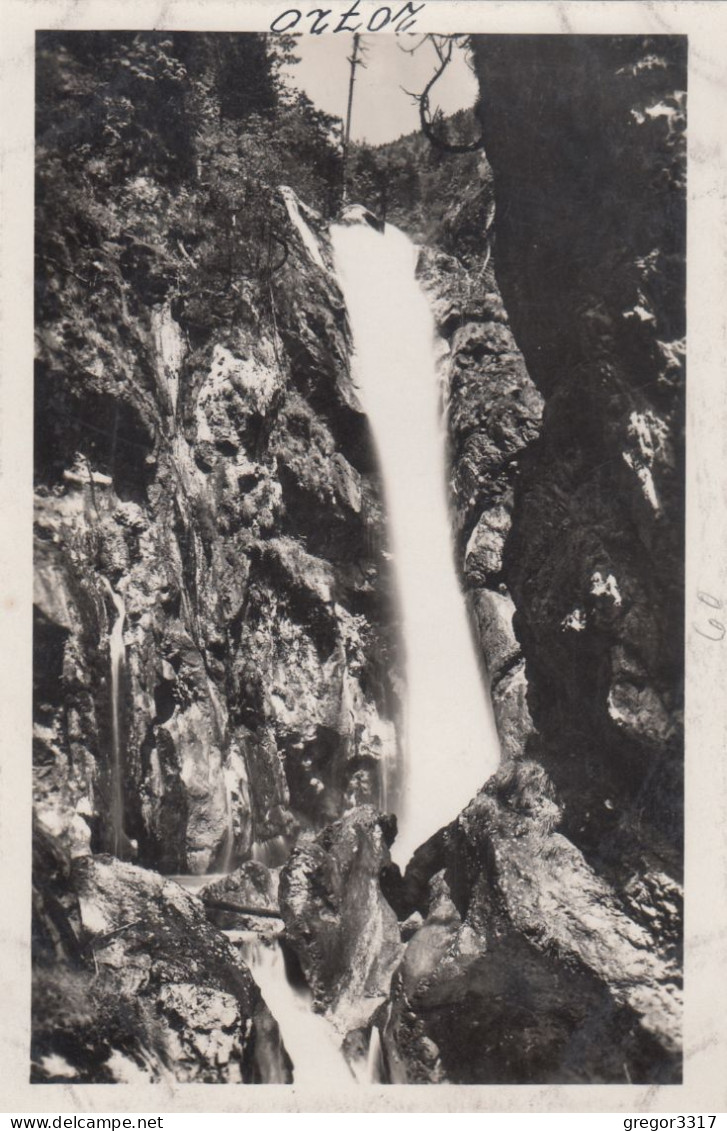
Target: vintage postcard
363, 575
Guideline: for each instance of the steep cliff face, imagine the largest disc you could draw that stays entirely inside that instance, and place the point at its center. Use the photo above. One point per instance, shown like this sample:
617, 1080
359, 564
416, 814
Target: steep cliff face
493, 413
550, 911
220, 483
588, 152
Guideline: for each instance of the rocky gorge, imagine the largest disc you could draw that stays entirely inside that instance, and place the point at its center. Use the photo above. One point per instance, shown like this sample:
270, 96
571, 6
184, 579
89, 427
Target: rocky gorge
220, 679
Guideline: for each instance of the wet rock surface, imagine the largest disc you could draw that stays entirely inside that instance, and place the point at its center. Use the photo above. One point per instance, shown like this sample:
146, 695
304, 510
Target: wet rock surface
132, 983
526, 965
342, 929
493, 412
228, 497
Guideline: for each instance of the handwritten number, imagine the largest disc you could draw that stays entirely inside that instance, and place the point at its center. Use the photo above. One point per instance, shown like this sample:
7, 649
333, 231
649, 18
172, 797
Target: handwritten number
719, 628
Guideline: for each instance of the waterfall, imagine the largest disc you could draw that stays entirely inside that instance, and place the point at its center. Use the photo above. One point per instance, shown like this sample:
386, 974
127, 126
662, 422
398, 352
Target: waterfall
311, 243
272, 852
450, 738
309, 1039
120, 842
374, 1059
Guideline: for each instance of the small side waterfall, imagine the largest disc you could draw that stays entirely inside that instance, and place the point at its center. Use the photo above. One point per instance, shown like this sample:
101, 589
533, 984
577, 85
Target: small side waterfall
374, 1059
120, 843
311, 243
450, 737
272, 852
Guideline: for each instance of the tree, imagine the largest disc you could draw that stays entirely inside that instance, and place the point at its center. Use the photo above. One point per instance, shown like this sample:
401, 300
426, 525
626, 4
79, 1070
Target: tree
356, 60
433, 122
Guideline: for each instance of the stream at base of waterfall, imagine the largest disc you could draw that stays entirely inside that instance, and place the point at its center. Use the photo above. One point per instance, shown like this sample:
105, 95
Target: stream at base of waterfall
310, 1040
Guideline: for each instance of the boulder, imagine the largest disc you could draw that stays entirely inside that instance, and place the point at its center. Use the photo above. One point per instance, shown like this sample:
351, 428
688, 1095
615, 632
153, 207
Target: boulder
252, 885
132, 980
339, 924
526, 965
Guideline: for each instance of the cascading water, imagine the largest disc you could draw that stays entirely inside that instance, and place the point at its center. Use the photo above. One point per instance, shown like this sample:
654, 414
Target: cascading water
309, 1039
120, 843
374, 1059
311, 243
451, 740
450, 737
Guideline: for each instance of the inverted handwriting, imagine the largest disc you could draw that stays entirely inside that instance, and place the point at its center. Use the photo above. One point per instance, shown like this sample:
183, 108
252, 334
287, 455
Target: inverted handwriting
401, 19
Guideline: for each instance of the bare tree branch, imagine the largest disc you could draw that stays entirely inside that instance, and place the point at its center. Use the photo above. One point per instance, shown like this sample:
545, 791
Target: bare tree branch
415, 48
443, 46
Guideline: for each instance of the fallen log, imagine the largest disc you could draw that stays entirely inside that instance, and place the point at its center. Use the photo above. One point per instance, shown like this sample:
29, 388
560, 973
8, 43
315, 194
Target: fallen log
238, 909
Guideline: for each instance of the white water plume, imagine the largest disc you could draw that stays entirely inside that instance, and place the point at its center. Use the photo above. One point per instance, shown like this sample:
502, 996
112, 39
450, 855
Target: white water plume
450, 737
311, 243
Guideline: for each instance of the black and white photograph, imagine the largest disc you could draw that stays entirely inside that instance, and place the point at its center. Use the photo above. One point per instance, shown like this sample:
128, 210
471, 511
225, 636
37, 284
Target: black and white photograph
359, 449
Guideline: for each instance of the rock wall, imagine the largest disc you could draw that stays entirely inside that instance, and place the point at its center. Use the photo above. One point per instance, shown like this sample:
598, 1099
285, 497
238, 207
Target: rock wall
588, 153
219, 478
493, 413
544, 925
343, 930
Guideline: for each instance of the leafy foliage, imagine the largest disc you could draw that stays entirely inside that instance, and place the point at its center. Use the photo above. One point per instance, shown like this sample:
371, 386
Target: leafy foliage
425, 190
159, 157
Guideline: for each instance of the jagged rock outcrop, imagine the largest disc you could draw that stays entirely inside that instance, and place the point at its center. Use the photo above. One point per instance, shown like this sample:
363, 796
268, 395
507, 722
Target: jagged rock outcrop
527, 965
220, 478
132, 984
493, 415
344, 932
